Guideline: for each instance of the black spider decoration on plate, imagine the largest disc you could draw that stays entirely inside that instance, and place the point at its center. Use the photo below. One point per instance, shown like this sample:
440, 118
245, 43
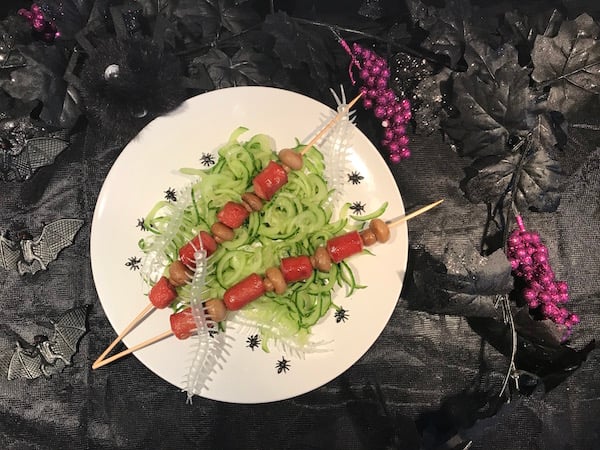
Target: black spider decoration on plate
341, 315
141, 224
355, 177
283, 365
133, 262
253, 341
207, 159
171, 195
358, 207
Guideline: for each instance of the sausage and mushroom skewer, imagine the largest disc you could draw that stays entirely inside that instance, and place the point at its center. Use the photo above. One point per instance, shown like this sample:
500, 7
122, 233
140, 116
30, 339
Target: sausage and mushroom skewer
291, 269
231, 216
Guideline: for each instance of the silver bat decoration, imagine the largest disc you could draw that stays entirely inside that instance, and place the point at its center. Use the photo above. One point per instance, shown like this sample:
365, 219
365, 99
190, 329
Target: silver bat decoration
49, 356
30, 255
21, 155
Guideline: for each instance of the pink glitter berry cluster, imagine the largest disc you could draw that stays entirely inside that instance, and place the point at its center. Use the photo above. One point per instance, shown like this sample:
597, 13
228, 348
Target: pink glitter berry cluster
394, 114
40, 25
529, 260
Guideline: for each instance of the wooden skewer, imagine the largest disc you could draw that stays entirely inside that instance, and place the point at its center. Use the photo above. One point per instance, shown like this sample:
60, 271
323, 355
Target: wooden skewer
168, 333
394, 222
149, 307
331, 123
139, 346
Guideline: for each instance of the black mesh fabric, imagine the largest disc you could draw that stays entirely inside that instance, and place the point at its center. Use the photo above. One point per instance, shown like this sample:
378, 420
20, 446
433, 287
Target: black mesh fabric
429, 381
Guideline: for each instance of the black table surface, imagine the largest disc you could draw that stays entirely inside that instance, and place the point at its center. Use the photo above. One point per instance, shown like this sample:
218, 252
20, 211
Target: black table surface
429, 381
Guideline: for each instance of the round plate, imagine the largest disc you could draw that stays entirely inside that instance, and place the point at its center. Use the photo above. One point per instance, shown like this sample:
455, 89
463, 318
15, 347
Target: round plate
148, 168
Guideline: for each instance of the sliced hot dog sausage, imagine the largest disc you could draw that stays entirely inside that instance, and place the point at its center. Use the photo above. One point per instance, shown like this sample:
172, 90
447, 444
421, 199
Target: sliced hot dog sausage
233, 215
296, 268
162, 293
243, 292
186, 253
269, 180
344, 246
183, 324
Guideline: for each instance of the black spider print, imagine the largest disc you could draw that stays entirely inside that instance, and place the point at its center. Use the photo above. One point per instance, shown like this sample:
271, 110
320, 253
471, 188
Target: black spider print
141, 224
358, 207
171, 195
283, 365
133, 263
341, 315
253, 341
207, 159
355, 178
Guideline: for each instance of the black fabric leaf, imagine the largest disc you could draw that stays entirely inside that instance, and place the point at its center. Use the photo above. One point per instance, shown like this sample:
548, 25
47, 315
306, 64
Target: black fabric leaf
460, 282
42, 78
537, 182
208, 17
246, 67
491, 100
570, 64
301, 48
537, 187
445, 27
520, 27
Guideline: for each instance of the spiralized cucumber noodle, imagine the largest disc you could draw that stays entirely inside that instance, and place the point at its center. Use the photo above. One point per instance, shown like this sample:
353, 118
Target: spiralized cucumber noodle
296, 221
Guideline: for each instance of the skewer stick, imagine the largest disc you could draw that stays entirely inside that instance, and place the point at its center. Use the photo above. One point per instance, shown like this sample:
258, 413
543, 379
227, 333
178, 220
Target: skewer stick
139, 346
149, 307
331, 123
394, 222
168, 333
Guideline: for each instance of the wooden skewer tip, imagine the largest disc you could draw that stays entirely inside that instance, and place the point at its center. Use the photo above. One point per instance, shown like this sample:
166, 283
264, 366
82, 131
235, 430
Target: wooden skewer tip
139, 346
414, 214
329, 124
149, 307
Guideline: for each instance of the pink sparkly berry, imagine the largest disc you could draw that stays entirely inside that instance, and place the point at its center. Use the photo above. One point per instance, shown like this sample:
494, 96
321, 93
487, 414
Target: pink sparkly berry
399, 130
379, 112
394, 147
399, 118
403, 141
562, 287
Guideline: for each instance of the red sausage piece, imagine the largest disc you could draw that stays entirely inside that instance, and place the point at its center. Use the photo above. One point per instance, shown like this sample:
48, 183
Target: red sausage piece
243, 292
344, 246
267, 182
183, 324
162, 293
296, 268
186, 253
233, 215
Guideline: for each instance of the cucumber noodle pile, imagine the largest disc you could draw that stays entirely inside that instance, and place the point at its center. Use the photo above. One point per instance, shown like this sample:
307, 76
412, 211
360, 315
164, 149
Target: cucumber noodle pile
297, 220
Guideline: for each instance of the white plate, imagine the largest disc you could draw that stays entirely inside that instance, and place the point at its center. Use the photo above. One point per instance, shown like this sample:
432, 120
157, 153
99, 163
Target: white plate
149, 165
